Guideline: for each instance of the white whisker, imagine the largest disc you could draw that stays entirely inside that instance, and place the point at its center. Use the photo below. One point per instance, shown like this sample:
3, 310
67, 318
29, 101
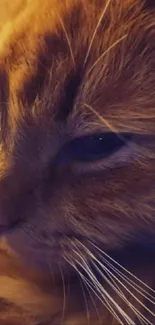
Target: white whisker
106, 51
121, 294
122, 267
105, 122
50, 268
85, 299
112, 277
101, 289
96, 28
68, 40
92, 286
104, 268
135, 310
106, 303
138, 314
64, 294
133, 284
93, 301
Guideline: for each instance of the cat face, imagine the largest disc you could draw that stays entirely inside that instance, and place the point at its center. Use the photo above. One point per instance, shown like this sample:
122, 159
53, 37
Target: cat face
78, 124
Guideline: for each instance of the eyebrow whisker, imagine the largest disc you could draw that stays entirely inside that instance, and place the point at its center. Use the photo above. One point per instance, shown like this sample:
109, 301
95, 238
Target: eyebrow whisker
96, 29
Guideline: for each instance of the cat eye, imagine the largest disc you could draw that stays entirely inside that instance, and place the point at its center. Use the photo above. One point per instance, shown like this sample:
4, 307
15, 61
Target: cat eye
98, 146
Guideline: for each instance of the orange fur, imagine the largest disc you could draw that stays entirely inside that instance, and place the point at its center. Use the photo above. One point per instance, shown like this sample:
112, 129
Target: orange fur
70, 69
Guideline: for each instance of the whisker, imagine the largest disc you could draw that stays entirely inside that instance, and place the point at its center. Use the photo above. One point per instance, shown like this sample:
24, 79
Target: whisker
64, 294
130, 282
131, 306
96, 28
135, 310
133, 128
107, 304
113, 129
105, 122
99, 286
122, 267
138, 314
106, 51
121, 294
93, 301
85, 299
135, 116
68, 40
92, 286
50, 268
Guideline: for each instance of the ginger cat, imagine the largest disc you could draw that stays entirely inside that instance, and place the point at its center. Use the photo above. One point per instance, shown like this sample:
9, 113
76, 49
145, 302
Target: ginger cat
77, 162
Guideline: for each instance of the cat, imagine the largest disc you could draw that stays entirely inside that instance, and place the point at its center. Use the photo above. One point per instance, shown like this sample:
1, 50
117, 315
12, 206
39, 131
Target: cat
77, 162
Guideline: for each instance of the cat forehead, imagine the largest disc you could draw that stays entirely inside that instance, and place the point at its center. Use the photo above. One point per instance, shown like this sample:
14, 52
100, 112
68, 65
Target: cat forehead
88, 53
79, 32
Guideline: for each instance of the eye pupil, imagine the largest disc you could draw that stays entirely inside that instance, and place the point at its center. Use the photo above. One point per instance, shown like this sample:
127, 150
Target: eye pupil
97, 138
98, 146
